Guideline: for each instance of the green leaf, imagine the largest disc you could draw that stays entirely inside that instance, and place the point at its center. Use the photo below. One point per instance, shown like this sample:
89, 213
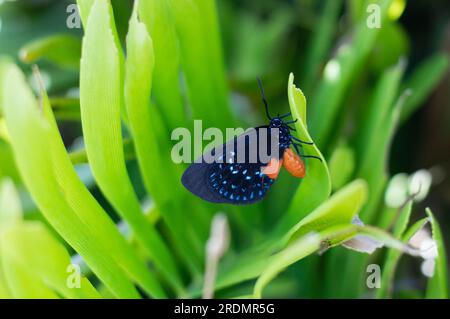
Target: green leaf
376, 120
5, 293
373, 162
79, 156
66, 108
257, 49
8, 167
338, 74
297, 250
321, 42
437, 286
139, 69
26, 243
402, 221
10, 206
422, 82
100, 102
341, 165
312, 242
202, 61
393, 256
338, 209
93, 215
356, 10
24, 285
316, 186
160, 24
10, 214
84, 7
31, 138
392, 44
61, 49
396, 9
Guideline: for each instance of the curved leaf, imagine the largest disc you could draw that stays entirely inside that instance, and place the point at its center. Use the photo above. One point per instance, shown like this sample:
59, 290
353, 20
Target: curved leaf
438, 285
423, 81
338, 74
339, 209
160, 24
62, 49
25, 244
30, 135
138, 83
100, 102
316, 186
298, 250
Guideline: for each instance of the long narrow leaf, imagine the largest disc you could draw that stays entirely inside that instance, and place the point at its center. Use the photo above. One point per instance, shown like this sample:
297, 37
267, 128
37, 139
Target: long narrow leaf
139, 69
423, 80
25, 243
62, 49
30, 134
100, 99
202, 63
316, 186
438, 285
338, 74
160, 24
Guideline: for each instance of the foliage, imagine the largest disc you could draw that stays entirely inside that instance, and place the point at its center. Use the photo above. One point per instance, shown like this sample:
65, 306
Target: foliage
113, 204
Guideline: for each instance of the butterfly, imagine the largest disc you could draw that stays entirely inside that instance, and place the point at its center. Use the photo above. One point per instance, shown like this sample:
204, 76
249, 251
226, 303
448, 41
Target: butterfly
238, 172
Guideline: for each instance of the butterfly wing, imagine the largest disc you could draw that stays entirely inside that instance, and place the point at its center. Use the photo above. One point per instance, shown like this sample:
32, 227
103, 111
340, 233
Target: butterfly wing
219, 177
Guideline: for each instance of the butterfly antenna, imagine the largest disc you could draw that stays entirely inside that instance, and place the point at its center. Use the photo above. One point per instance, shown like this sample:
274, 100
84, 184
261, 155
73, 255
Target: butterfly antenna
264, 98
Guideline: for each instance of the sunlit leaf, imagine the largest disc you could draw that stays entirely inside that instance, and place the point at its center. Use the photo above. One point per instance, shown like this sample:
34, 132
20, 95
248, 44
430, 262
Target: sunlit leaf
160, 25
196, 22
316, 186
64, 50
31, 136
139, 68
438, 285
338, 209
25, 243
10, 206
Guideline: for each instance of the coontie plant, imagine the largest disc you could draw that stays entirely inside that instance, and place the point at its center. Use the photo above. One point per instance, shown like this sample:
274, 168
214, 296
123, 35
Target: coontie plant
108, 216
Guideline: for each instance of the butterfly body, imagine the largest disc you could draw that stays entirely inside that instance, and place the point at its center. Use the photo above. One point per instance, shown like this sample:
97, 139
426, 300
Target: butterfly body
228, 179
238, 172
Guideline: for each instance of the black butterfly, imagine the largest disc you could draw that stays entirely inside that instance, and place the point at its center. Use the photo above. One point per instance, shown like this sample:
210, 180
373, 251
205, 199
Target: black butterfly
236, 173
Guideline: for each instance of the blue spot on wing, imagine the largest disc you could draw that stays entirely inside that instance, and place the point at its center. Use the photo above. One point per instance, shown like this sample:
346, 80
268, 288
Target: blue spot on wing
225, 180
236, 187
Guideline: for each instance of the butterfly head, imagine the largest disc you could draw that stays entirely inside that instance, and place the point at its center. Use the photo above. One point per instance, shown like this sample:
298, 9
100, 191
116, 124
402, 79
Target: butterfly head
276, 122
283, 131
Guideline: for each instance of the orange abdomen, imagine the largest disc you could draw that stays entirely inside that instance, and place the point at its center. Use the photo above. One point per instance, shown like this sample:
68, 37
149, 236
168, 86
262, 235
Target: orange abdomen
293, 164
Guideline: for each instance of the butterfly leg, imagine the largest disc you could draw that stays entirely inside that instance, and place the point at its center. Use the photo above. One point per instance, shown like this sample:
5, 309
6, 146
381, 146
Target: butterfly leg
285, 115
311, 156
291, 128
291, 122
296, 147
301, 141
304, 156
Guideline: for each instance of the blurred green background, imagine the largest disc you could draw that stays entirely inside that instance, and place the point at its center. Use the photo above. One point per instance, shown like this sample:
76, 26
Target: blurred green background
270, 39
